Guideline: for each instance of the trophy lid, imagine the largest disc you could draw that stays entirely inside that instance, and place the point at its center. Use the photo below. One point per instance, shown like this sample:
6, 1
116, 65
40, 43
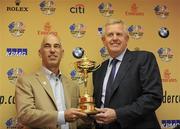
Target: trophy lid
86, 64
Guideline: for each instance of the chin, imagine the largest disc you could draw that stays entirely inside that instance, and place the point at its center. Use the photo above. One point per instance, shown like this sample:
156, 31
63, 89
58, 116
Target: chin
53, 63
116, 50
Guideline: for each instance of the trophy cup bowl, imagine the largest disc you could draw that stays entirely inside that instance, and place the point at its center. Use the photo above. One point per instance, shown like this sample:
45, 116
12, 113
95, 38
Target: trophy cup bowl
85, 66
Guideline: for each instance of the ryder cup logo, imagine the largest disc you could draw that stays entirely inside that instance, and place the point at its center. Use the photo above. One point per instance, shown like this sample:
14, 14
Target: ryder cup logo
47, 7
104, 53
165, 54
13, 74
77, 76
106, 9
161, 11
135, 31
77, 30
12, 123
16, 28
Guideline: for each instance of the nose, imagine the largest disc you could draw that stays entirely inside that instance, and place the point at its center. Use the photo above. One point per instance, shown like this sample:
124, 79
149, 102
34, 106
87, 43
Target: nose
114, 37
52, 49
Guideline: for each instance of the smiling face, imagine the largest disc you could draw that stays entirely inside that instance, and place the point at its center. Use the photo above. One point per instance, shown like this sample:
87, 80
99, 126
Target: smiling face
115, 39
51, 52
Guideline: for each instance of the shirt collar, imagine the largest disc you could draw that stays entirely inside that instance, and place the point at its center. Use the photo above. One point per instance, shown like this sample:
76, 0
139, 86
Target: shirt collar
120, 57
50, 73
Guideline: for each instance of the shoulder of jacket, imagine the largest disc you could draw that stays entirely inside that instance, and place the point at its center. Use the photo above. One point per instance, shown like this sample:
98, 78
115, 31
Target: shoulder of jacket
142, 53
29, 76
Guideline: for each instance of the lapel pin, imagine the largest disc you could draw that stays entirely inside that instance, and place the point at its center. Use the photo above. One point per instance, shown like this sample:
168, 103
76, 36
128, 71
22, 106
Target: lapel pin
44, 83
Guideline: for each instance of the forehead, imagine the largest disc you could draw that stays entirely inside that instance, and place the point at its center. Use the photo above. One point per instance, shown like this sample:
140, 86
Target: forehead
51, 39
114, 28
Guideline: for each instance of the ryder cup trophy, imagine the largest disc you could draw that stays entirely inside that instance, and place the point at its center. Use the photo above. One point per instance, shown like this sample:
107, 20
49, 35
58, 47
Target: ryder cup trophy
85, 66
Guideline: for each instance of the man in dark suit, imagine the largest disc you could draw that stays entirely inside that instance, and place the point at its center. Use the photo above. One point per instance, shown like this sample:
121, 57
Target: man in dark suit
129, 98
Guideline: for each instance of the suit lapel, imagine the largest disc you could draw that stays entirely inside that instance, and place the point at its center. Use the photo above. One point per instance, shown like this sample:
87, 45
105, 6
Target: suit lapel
46, 85
123, 69
100, 80
67, 95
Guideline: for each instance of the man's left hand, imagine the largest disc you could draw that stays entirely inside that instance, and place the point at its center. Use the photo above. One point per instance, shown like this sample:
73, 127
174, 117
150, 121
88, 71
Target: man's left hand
105, 115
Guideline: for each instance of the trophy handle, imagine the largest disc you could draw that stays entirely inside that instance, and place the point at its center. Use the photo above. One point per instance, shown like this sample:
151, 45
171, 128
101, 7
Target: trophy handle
94, 69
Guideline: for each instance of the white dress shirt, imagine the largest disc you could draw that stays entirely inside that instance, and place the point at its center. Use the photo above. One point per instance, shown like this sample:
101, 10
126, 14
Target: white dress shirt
120, 57
58, 93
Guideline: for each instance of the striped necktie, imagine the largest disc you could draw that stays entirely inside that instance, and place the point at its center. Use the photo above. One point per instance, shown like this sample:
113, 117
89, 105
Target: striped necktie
110, 82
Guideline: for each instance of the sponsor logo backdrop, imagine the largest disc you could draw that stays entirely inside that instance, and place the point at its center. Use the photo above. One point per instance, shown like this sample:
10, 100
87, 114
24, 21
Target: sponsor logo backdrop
153, 25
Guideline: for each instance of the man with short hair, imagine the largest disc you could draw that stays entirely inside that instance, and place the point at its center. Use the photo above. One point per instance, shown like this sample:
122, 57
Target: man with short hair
127, 86
47, 99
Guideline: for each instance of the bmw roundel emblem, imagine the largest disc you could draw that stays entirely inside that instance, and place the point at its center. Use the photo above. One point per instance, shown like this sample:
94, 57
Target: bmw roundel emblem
78, 52
163, 32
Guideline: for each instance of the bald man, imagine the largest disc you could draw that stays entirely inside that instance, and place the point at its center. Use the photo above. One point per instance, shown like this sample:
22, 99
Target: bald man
47, 99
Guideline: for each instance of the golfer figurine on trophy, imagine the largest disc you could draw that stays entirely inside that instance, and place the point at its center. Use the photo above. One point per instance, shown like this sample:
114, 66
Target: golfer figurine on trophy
85, 66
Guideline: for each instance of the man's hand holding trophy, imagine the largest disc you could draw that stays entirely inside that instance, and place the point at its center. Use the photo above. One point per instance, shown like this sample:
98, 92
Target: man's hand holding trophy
85, 66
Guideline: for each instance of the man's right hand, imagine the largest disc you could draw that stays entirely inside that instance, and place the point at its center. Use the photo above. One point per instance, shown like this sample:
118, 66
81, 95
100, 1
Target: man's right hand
73, 114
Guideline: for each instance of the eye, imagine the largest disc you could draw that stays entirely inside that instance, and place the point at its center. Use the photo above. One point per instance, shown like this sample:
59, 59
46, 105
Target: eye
57, 46
47, 45
109, 34
119, 34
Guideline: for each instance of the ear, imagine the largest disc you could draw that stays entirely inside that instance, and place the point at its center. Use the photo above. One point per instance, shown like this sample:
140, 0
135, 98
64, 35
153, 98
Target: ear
103, 40
127, 37
39, 53
61, 53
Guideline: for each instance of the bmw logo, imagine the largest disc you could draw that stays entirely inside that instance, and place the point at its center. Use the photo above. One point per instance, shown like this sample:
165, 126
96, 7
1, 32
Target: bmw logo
78, 52
163, 32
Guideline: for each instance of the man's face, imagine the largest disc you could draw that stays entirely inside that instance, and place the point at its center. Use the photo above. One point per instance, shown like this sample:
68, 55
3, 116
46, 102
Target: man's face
51, 52
115, 39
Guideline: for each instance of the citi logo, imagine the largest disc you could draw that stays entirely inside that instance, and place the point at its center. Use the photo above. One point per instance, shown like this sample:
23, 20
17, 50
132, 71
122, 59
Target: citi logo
78, 8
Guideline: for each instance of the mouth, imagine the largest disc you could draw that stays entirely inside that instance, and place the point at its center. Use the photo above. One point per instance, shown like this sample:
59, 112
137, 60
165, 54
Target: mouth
115, 44
52, 57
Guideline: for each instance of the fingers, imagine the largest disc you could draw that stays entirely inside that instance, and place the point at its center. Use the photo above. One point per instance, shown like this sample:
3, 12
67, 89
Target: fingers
79, 113
101, 110
74, 117
100, 117
99, 122
105, 116
73, 114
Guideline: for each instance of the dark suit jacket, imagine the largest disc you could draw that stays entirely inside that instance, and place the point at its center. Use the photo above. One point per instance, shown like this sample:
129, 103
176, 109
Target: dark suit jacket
136, 91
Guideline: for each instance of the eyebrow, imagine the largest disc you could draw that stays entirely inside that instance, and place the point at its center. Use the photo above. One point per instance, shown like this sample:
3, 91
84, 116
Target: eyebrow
52, 44
44, 44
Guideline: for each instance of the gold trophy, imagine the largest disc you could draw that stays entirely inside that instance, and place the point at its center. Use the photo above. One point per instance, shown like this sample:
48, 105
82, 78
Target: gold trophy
85, 66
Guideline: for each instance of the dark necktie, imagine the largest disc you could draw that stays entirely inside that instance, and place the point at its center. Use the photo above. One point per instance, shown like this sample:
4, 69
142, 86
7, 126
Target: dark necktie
110, 82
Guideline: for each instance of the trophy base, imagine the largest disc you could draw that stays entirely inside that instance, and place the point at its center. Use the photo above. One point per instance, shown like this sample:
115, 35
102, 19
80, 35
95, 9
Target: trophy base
91, 112
86, 104
88, 108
